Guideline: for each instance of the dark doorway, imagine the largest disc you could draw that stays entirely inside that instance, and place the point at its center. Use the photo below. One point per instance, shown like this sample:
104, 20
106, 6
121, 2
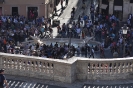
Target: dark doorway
32, 13
14, 11
118, 13
105, 11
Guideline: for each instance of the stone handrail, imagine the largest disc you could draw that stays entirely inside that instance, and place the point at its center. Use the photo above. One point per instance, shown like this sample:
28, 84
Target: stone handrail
67, 70
37, 67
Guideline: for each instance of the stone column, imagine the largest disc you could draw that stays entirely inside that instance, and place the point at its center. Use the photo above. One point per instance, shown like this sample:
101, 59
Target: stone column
111, 6
82, 70
100, 3
126, 9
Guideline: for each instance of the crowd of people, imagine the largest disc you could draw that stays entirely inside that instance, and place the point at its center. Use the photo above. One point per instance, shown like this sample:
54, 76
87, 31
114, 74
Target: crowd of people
15, 29
104, 28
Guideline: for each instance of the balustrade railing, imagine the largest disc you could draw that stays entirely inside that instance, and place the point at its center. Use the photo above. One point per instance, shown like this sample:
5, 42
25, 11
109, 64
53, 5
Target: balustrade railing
67, 70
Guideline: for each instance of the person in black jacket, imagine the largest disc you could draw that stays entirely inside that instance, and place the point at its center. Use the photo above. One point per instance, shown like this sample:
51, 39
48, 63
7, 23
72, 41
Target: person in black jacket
3, 79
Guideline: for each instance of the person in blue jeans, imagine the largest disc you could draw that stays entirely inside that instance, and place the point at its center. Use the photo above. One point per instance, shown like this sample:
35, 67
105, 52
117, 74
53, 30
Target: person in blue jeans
3, 79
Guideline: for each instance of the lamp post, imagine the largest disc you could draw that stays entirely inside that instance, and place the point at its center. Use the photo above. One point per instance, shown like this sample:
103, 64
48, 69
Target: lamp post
70, 31
124, 31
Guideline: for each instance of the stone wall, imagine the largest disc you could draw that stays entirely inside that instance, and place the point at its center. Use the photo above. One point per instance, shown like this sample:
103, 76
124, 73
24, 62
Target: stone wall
24, 4
68, 71
37, 67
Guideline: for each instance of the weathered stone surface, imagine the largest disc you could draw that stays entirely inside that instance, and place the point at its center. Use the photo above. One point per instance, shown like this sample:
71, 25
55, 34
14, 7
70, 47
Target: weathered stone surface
67, 70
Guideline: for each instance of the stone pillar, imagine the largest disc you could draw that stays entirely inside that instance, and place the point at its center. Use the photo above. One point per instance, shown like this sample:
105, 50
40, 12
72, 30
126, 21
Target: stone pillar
111, 6
64, 72
126, 9
100, 3
82, 70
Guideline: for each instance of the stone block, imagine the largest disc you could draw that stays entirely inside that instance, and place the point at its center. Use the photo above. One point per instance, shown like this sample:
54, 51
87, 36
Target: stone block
58, 78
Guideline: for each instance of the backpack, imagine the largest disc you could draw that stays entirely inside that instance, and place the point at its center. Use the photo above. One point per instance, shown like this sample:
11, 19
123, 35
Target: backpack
92, 51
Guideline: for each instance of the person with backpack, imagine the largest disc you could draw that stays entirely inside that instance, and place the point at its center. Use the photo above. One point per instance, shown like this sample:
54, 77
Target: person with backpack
3, 79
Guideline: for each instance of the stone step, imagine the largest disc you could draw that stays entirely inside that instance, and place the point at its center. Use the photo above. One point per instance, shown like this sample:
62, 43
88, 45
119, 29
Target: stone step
108, 86
24, 84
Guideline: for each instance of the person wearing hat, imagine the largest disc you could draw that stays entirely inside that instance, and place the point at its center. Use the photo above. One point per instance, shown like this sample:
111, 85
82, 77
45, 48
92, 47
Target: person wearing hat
3, 79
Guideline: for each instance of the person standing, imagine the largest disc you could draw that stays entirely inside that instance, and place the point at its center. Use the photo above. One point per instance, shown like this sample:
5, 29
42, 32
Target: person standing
62, 4
3, 79
67, 2
92, 52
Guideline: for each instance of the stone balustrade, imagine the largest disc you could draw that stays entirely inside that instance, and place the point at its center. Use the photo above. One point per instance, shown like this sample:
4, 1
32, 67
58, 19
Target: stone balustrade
67, 70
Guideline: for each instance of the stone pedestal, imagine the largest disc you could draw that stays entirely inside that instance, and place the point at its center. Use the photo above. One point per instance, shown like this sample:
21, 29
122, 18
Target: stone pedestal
111, 6
126, 9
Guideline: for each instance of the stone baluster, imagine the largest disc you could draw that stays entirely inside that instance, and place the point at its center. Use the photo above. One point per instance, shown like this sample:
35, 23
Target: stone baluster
102, 68
123, 67
100, 71
30, 65
89, 69
26, 66
116, 67
120, 67
23, 65
113, 68
20, 64
92, 68
105, 68
48, 68
3, 62
131, 65
108, 68
13, 63
44, 67
38, 66
128, 67
52, 68
17, 64
41, 66
97, 68
9, 63
34, 66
